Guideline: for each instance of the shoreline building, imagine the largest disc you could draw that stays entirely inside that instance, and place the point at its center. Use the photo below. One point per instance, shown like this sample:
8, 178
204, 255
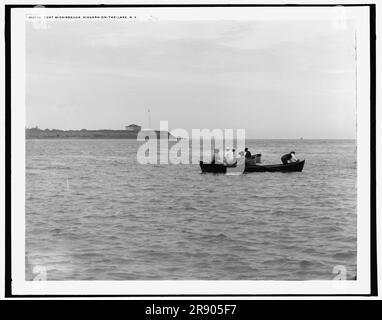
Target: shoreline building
133, 128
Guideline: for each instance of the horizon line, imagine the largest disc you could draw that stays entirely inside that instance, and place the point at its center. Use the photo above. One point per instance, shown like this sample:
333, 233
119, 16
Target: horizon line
252, 138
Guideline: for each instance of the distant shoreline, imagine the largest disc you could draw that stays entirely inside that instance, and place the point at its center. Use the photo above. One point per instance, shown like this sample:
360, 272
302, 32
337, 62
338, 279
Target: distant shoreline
36, 133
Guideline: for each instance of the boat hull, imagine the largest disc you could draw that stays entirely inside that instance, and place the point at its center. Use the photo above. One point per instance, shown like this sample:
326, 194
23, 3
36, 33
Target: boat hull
290, 167
215, 168
221, 168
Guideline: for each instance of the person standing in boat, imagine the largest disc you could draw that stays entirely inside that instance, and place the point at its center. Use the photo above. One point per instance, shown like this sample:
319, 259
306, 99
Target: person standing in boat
289, 157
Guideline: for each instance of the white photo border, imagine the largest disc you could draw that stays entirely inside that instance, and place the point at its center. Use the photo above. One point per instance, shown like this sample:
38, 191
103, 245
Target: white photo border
173, 288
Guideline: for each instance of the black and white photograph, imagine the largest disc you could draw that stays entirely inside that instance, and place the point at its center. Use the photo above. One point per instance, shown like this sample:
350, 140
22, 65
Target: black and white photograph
202, 150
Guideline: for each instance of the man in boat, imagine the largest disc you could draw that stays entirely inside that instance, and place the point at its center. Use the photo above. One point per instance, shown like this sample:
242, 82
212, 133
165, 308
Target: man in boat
247, 153
229, 158
241, 158
216, 157
289, 157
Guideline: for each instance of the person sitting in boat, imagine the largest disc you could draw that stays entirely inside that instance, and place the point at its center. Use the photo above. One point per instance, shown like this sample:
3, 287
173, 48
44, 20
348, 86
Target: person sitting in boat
289, 157
247, 153
216, 157
237, 157
213, 160
241, 158
229, 158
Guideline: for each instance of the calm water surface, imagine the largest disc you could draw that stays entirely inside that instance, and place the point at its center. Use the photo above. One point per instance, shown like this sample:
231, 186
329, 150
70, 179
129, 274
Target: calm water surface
94, 213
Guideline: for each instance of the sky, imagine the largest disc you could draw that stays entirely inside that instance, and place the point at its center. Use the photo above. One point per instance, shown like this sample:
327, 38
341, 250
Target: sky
275, 79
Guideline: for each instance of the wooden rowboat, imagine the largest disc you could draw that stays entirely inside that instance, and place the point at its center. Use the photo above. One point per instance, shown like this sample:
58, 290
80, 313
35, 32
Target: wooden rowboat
289, 167
221, 168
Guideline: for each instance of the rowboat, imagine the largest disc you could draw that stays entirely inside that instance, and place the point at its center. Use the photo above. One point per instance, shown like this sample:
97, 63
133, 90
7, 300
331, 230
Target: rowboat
289, 167
249, 167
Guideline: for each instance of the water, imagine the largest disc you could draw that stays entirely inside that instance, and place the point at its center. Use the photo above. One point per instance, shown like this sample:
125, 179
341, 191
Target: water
94, 213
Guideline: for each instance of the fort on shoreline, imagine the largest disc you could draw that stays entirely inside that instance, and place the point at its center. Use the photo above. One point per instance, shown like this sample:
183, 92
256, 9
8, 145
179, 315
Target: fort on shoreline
130, 132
